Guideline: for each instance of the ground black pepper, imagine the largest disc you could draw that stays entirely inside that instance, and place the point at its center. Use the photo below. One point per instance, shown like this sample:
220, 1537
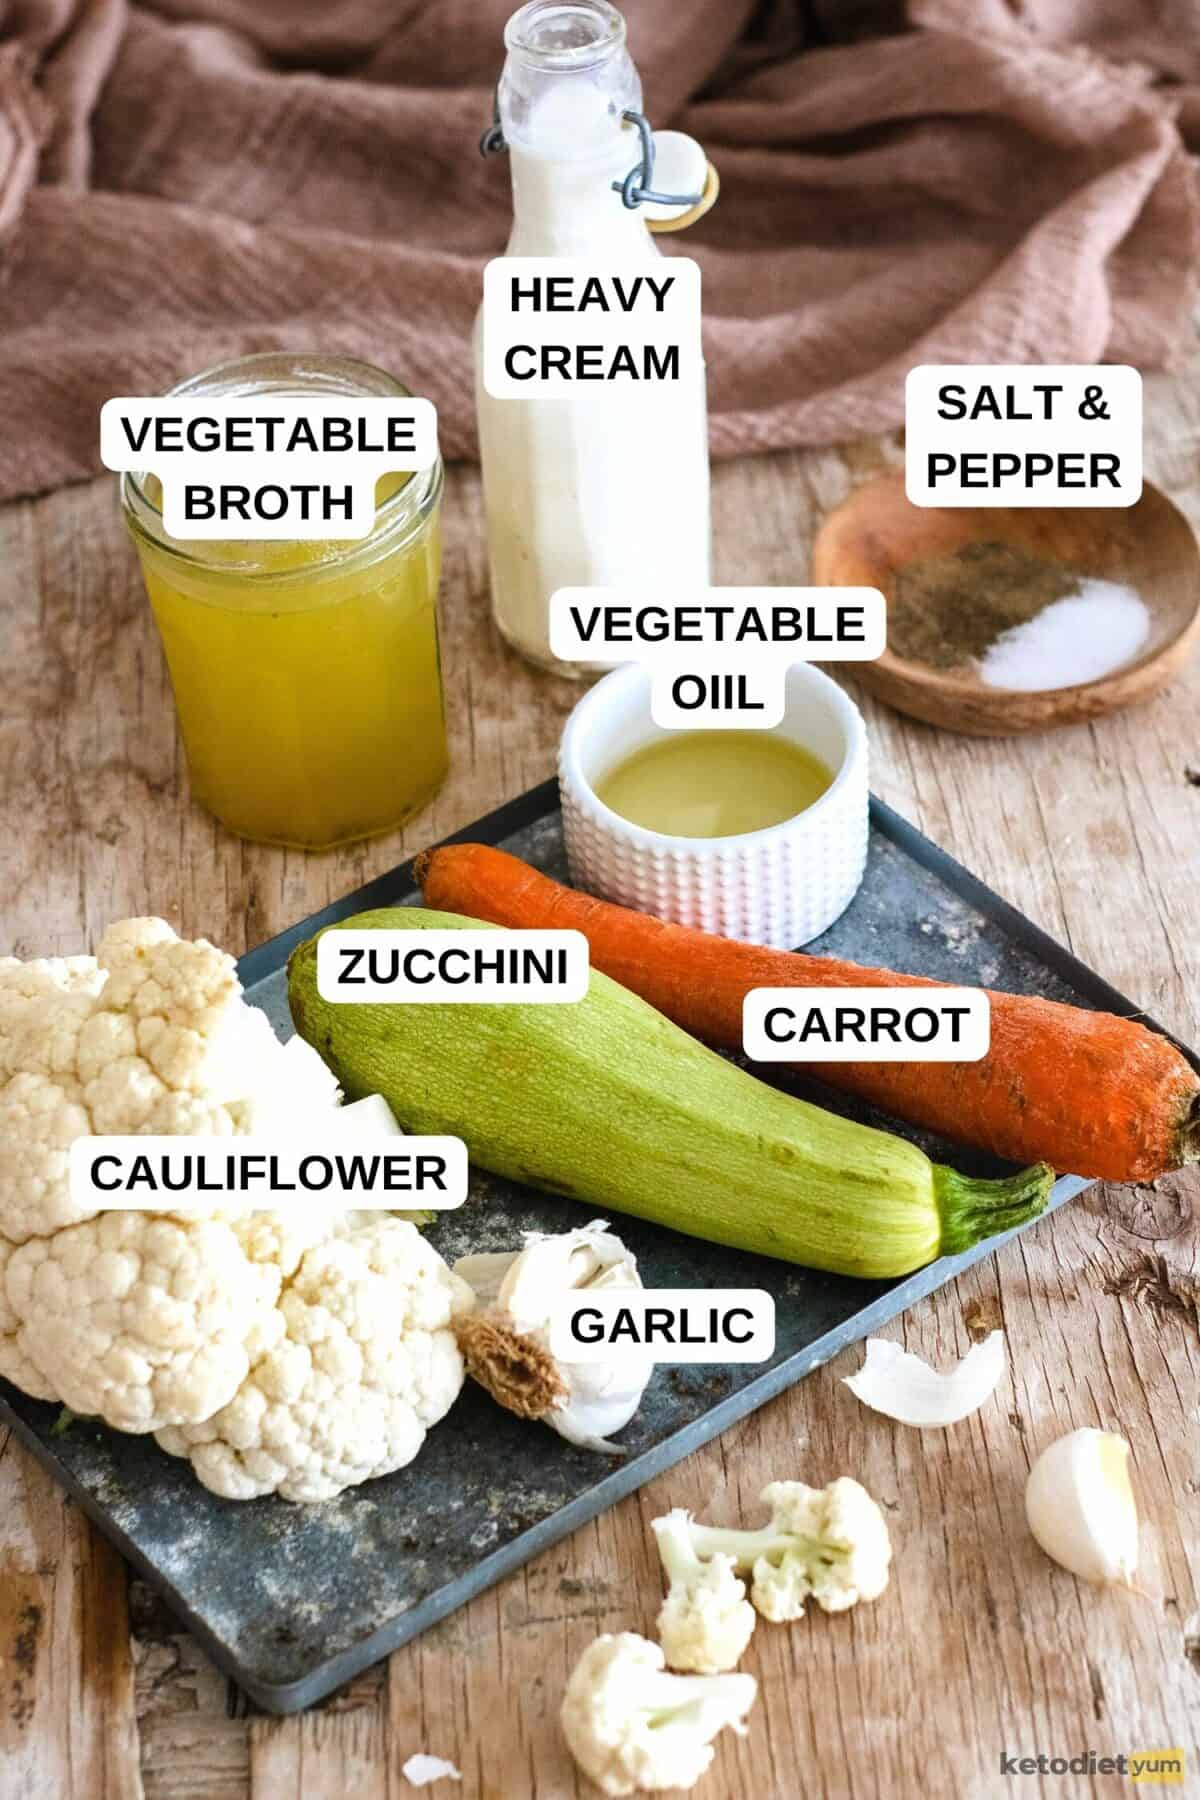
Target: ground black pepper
946, 611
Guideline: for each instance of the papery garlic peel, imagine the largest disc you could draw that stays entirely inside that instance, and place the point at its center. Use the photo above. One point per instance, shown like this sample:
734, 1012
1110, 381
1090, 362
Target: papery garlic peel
894, 1381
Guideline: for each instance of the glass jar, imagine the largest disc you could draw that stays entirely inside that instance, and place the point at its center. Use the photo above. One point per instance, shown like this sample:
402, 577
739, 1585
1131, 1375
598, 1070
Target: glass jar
306, 674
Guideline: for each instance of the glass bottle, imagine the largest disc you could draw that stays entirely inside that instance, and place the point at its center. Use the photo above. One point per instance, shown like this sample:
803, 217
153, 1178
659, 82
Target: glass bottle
589, 488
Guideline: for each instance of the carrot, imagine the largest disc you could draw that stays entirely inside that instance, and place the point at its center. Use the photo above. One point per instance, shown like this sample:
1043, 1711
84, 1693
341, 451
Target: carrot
1088, 1092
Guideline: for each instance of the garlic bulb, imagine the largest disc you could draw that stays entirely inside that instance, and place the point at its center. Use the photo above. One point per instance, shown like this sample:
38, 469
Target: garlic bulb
1080, 1505
505, 1341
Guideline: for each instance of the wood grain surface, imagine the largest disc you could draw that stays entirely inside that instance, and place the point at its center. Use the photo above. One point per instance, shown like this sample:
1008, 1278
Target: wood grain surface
980, 1646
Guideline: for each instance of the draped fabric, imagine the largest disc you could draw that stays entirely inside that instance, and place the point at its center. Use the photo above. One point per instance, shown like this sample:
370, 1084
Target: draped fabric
959, 181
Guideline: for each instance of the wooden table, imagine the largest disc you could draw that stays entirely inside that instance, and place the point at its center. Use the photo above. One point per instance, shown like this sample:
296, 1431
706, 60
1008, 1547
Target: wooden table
980, 1646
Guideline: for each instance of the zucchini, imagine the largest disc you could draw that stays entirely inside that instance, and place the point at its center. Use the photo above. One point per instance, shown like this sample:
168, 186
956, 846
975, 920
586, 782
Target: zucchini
607, 1102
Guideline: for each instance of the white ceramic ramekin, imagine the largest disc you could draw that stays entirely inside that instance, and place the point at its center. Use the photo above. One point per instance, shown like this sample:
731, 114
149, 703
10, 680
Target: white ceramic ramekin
783, 886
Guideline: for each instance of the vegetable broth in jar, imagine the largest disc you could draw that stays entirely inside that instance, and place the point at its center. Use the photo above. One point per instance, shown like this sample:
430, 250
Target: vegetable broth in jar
306, 673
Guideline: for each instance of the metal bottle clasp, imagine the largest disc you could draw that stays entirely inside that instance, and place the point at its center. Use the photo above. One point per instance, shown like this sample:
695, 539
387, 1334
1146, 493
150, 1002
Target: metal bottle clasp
636, 186
492, 142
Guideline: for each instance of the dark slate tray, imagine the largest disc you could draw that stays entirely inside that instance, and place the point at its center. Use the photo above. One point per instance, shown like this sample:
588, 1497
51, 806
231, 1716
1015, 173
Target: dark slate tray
292, 1601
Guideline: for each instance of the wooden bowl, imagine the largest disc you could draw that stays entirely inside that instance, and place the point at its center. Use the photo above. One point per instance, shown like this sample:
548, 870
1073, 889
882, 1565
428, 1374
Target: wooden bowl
1151, 547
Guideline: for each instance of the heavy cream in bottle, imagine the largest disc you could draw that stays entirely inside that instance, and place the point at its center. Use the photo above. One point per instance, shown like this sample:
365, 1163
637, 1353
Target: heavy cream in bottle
586, 488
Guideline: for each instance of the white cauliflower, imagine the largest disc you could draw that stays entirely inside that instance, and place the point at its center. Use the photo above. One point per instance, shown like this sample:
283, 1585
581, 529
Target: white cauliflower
826, 1544
365, 1360
150, 1036
140, 1318
629, 1725
328, 1328
15, 1366
706, 1620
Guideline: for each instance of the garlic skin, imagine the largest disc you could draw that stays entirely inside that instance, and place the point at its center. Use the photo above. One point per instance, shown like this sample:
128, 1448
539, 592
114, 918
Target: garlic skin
1080, 1505
421, 1769
894, 1381
505, 1341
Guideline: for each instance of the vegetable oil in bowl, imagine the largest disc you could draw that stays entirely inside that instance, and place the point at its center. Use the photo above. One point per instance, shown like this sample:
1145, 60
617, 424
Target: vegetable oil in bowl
710, 784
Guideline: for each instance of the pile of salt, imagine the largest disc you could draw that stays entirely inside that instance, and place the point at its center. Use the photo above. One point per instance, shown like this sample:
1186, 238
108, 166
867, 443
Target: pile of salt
1086, 635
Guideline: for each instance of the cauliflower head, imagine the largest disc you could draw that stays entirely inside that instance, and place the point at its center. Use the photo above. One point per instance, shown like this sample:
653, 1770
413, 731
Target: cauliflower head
364, 1362
296, 1351
632, 1727
144, 1319
706, 1620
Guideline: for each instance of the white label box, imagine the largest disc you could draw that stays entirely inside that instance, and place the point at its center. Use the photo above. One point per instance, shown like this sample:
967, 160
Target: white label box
163, 1173
562, 325
1023, 435
675, 1325
718, 656
866, 1024
261, 467
452, 965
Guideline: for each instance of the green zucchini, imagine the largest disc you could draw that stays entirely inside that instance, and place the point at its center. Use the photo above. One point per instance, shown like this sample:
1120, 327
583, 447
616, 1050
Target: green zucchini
607, 1102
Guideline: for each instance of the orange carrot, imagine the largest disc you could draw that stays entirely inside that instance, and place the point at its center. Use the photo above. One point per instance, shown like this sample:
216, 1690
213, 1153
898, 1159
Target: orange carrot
1088, 1092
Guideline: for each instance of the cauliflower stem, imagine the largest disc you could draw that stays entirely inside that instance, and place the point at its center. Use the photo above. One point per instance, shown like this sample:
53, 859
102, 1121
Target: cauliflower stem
706, 1620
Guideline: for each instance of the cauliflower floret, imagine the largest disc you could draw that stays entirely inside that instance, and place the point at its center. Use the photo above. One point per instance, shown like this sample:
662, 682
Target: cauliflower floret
15, 1366
180, 1003
843, 1556
366, 1363
43, 1006
40, 1118
706, 1620
826, 1544
150, 1036
631, 1726
280, 1239
141, 1318
46, 975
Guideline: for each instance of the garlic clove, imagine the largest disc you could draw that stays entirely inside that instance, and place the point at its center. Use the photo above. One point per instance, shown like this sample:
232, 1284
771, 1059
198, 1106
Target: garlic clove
1080, 1505
485, 1271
